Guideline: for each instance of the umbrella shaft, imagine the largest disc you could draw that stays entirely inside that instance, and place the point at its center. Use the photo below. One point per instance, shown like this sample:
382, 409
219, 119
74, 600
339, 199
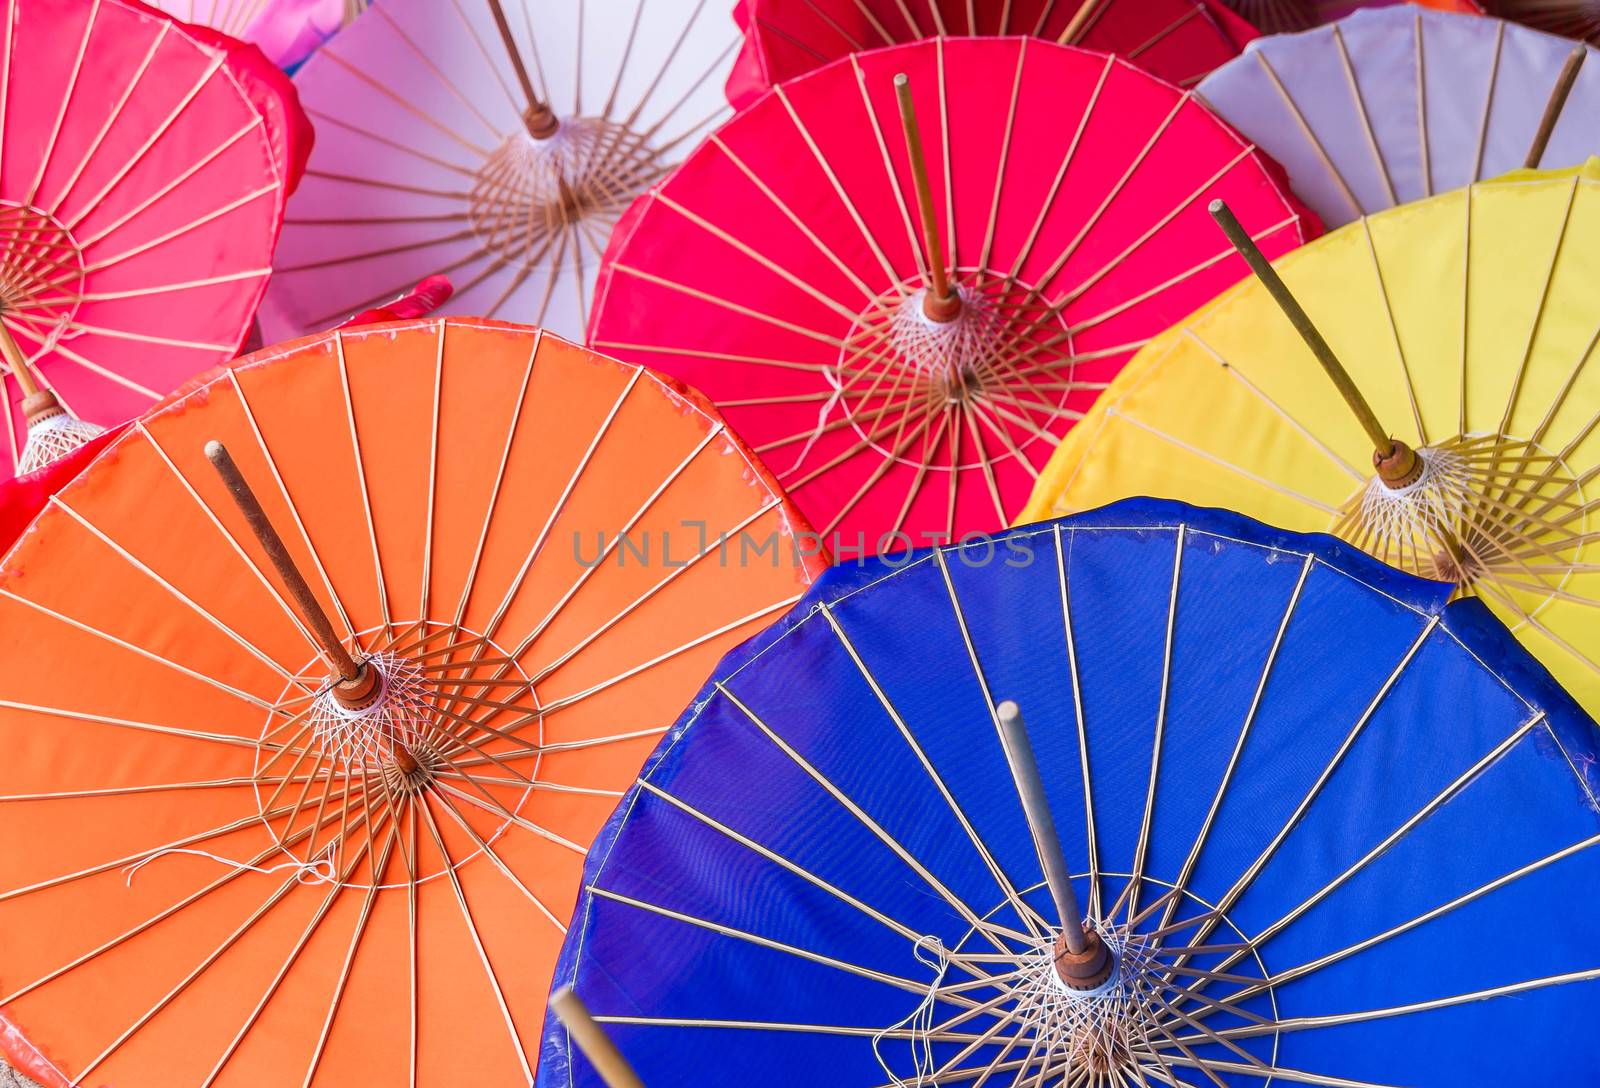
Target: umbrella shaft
919, 179
310, 608
1301, 321
541, 121
18, 364
1030, 787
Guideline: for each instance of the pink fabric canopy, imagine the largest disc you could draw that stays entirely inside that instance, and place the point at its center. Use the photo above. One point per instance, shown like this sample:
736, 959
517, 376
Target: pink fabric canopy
781, 270
137, 222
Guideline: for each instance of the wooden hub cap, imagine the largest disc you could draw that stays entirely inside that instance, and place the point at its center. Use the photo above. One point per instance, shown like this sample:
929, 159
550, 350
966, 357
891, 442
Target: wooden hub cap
1084, 970
1400, 467
360, 693
941, 308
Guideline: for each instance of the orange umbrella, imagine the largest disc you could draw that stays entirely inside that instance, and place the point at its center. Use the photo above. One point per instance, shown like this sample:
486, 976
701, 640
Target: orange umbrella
300, 791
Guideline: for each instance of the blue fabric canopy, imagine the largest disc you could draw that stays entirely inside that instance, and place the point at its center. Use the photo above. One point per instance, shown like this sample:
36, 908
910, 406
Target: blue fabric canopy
1337, 831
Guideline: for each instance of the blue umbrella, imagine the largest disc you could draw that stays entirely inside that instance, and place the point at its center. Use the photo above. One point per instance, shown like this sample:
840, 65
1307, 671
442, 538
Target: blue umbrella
1304, 823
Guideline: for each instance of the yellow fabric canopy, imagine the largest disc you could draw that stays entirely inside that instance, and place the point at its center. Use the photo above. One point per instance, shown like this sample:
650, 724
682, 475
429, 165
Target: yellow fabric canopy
1469, 321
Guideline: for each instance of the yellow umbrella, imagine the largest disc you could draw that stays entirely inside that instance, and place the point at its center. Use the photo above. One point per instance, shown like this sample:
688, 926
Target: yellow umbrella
1468, 323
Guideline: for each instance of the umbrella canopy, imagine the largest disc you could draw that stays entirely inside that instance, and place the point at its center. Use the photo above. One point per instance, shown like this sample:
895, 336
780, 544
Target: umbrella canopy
1291, 795
497, 144
1178, 40
1280, 16
287, 31
1469, 325
783, 269
137, 223
352, 867
1392, 105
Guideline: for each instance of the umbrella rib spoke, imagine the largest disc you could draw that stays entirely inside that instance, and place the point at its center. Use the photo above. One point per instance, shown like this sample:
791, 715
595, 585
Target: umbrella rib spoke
294, 511
495, 859
512, 424
1091, 837
809, 877
1332, 764
734, 933
990, 931
148, 655
504, 813
731, 307
1226, 779
715, 140
671, 478
1283, 414
1142, 849
1238, 470
1306, 130
294, 954
1451, 791
446, 130
228, 942
550, 668
138, 565
152, 921
1394, 328
361, 483
349, 957
566, 701
1036, 923
477, 941
833, 179
159, 194
556, 511
1060, 178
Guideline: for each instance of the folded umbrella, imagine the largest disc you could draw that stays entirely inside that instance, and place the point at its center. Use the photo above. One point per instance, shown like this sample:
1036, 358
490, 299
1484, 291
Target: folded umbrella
137, 222
1462, 329
1392, 105
496, 143
902, 293
1154, 795
304, 749
1178, 40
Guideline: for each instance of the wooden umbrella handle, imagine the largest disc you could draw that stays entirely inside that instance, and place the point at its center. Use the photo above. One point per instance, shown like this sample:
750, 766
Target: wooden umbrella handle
942, 303
540, 118
592, 1040
350, 671
1552, 108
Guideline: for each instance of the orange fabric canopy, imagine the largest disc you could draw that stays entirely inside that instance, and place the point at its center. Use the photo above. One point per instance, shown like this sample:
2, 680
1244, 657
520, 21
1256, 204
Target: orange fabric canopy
443, 486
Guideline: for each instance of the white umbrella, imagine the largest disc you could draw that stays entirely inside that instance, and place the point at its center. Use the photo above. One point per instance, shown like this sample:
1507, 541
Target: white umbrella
495, 144
1395, 104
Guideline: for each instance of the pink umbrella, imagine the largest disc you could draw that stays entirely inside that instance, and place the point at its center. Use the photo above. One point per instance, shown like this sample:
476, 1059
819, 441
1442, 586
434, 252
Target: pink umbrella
1178, 40
784, 269
145, 168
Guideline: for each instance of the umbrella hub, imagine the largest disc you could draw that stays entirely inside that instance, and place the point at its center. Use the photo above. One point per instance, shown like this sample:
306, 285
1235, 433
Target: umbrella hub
1482, 510
449, 721
1171, 968
530, 190
41, 273
1003, 363
377, 720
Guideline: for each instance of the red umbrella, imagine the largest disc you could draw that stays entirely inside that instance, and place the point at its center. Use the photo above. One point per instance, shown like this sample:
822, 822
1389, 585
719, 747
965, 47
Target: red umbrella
145, 168
782, 269
1178, 40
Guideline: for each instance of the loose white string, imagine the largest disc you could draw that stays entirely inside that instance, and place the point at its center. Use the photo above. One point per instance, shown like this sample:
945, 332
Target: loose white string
921, 1018
317, 871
